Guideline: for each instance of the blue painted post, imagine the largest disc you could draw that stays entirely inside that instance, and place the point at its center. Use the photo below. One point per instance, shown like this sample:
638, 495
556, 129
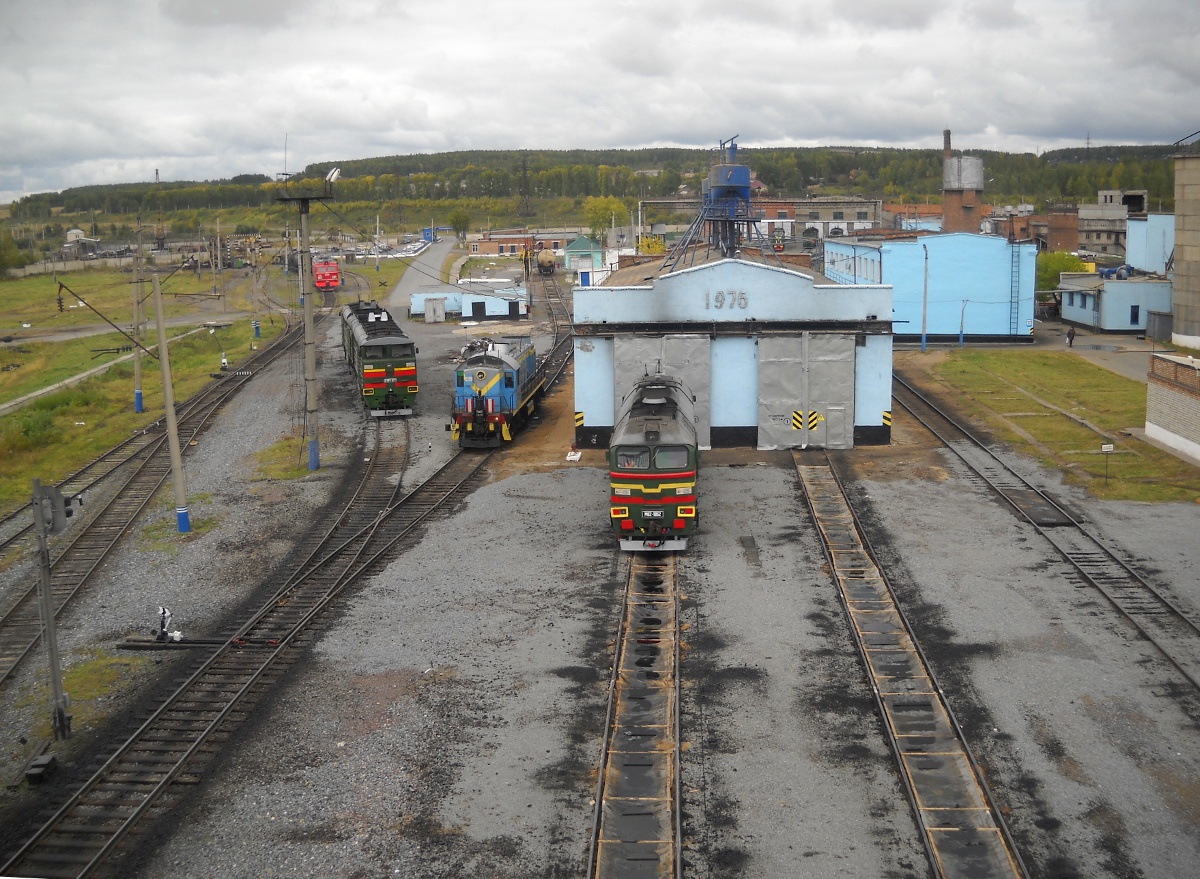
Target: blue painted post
925, 299
181, 516
137, 400
257, 330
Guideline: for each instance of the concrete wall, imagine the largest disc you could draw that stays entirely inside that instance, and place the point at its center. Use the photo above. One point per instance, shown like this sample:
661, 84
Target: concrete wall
1186, 303
1173, 403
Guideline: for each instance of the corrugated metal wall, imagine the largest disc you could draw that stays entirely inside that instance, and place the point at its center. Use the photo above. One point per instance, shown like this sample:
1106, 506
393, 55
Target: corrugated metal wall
684, 356
806, 391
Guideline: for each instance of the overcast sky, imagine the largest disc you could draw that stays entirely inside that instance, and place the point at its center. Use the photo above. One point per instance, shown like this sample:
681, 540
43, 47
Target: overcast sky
108, 92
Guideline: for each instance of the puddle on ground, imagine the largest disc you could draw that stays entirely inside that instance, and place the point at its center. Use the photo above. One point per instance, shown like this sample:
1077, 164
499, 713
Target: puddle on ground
1099, 347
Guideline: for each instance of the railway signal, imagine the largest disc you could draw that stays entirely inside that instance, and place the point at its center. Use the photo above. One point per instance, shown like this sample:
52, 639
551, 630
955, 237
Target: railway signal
50, 514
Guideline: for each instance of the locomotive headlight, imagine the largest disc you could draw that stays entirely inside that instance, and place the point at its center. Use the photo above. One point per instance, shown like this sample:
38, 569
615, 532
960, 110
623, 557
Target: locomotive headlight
623, 492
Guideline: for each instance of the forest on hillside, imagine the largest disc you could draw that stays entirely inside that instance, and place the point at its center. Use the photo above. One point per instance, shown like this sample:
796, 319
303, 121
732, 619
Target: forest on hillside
495, 188
888, 174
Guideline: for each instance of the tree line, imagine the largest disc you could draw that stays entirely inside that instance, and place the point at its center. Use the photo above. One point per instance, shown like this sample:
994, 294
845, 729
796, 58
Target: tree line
889, 174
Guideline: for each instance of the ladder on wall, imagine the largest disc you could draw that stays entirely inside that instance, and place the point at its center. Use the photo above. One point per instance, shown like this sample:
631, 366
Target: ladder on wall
1014, 293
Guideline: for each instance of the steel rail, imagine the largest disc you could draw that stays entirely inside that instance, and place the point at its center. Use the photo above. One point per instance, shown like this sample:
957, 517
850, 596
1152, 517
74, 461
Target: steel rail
563, 349
963, 830
20, 620
1160, 620
637, 826
90, 475
88, 829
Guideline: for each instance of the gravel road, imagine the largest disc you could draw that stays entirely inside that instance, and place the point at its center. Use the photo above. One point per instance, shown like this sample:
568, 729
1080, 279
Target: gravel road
446, 719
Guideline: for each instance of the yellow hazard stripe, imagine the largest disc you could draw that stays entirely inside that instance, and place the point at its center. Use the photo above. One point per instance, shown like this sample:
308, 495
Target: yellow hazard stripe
486, 387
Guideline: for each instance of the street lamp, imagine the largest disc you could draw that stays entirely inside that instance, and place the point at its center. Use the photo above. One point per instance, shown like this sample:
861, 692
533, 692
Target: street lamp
962, 320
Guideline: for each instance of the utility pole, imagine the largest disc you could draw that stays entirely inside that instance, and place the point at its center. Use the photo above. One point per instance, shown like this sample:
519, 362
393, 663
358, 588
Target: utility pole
310, 346
138, 290
50, 512
164, 361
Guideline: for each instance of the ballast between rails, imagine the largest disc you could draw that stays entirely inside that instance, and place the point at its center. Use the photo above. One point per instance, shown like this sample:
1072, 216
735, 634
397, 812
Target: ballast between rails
78, 834
20, 625
1162, 622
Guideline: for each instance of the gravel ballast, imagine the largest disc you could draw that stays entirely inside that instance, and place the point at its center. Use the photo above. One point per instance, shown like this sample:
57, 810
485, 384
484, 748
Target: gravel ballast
445, 719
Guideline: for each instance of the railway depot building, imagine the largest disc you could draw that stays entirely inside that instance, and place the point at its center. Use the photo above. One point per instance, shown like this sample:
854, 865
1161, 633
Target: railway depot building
774, 358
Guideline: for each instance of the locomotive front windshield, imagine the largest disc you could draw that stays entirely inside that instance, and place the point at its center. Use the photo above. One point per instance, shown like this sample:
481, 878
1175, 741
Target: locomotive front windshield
633, 458
378, 352
671, 458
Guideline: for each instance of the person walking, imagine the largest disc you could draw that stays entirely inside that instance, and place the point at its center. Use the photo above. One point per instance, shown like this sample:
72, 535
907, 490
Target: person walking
1071, 338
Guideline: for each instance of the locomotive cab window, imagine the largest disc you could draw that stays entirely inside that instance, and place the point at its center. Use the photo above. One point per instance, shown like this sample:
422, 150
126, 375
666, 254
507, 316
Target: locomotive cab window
670, 458
509, 380
372, 352
633, 458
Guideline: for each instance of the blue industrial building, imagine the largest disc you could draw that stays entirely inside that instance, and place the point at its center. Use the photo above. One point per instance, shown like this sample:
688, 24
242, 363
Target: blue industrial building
946, 287
1150, 242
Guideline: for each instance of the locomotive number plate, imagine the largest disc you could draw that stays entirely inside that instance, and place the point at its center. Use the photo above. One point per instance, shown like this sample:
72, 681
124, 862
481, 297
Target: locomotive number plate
652, 514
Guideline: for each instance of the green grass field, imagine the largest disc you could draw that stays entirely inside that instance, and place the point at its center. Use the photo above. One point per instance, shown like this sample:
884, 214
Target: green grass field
1060, 409
55, 434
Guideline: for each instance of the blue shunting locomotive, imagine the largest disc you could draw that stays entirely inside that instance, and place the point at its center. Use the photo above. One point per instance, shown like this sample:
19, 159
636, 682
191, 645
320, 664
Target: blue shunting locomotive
495, 391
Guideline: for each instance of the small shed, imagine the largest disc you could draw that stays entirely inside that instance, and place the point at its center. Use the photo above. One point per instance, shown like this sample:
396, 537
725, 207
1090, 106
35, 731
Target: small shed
1113, 305
451, 302
511, 303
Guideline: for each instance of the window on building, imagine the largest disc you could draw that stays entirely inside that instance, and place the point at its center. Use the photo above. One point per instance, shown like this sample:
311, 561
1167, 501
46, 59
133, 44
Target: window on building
839, 215
862, 215
1071, 298
1135, 315
814, 215
474, 248
781, 215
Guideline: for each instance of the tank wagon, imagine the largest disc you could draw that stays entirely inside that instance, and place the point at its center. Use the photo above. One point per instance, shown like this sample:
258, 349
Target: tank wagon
495, 390
653, 462
545, 262
382, 358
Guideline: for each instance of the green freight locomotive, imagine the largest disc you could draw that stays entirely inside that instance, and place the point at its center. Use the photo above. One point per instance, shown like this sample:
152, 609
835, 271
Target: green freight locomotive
382, 358
653, 461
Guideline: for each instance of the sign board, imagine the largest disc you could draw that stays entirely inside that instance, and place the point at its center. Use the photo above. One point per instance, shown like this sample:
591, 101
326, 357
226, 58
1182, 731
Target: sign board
1107, 447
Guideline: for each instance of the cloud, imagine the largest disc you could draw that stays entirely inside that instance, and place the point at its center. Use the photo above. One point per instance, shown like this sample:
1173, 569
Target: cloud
107, 92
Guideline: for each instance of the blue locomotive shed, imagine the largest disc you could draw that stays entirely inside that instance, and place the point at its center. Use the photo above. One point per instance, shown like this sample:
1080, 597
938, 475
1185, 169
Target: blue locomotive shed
775, 359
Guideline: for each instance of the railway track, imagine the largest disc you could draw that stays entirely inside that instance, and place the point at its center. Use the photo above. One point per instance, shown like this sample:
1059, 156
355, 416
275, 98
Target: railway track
636, 831
143, 465
145, 775
555, 362
963, 831
1160, 620
16, 524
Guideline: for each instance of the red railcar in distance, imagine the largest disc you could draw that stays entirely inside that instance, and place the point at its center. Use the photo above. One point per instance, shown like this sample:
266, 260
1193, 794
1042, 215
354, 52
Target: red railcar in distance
327, 274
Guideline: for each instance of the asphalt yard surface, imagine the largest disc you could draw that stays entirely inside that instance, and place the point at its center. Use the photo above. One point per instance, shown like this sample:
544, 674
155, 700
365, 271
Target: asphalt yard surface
446, 721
